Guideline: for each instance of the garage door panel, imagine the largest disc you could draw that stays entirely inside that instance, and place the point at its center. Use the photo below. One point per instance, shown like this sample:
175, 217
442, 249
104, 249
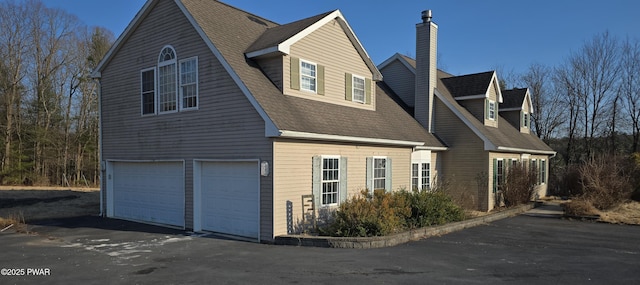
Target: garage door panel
149, 191
230, 198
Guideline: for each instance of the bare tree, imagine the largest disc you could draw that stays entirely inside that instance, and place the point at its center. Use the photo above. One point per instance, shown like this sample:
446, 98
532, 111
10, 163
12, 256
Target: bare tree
51, 31
629, 90
507, 78
547, 106
565, 79
48, 103
95, 45
592, 76
13, 51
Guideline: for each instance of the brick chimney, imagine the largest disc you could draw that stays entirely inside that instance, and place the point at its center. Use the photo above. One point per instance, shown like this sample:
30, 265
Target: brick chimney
426, 69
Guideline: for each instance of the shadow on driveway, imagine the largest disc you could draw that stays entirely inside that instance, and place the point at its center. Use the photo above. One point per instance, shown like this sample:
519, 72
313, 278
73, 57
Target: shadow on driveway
97, 222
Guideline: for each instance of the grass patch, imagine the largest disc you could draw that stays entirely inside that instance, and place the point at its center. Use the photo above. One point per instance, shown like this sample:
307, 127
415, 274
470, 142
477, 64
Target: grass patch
29, 205
627, 213
14, 221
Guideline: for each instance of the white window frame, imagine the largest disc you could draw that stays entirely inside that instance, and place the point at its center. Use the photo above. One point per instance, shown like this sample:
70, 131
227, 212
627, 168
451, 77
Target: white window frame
355, 90
415, 175
182, 84
375, 177
422, 160
543, 171
311, 77
142, 93
425, 176
421, 177
335, 182
500, 173
162, 64
492, 110
533, 163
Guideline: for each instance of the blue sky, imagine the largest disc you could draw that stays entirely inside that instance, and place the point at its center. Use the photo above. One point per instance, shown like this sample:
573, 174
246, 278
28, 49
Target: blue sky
474, 36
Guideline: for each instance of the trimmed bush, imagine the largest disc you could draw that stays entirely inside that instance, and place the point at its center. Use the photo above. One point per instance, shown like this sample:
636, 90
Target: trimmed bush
430, 208
365, 216
388, 213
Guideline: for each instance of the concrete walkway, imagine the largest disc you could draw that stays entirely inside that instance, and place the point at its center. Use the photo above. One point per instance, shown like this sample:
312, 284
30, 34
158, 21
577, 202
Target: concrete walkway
546, 210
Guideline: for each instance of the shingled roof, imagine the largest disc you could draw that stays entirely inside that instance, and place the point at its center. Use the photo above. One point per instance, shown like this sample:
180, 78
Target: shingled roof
278, 34
503, 138
468, 85
513, 98
232, 31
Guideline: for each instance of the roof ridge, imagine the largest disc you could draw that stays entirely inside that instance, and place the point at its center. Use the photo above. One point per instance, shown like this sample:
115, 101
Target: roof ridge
247, 12
515, 89
473, 74
279, 33
321, 15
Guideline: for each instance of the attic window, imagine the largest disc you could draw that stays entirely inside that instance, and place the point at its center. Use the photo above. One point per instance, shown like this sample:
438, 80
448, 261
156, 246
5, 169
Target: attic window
167, 54
492, 110
307, 76
170, 86
167, 81
358, 89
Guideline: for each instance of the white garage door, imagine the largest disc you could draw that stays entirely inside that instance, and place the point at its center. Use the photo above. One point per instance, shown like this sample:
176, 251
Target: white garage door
149, 192
230, 198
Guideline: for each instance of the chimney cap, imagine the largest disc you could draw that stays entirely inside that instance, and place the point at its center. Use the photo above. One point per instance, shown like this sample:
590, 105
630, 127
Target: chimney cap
426, 16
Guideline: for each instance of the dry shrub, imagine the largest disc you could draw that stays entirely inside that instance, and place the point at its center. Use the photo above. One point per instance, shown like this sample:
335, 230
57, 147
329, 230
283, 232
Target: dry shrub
571, 182
606, 181
579, 207
465, 199
459, 194
627, 213
635, 157
519, 186
14, 220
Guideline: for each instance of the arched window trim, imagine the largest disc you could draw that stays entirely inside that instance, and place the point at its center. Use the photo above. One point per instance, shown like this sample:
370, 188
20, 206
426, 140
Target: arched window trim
171, 85
172, 53
166, 105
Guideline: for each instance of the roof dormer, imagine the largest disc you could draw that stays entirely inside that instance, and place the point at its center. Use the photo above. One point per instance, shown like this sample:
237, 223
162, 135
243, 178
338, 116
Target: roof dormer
479, 93
517, 108
318, 58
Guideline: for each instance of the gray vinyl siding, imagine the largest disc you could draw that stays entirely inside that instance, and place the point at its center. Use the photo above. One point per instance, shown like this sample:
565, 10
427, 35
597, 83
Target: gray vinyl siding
272, 67
512, 117
476, 107
224, 127
401, 80
466, 159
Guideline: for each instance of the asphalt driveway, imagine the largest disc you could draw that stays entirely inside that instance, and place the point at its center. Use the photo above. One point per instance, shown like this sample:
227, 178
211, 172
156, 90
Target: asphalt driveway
523, 250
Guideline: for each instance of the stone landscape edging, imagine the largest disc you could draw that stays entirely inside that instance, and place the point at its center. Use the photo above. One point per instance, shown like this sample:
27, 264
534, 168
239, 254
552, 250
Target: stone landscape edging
399, 238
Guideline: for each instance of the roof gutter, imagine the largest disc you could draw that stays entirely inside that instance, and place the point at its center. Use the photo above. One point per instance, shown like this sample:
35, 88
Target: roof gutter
339, 138
522, 150
434, 148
